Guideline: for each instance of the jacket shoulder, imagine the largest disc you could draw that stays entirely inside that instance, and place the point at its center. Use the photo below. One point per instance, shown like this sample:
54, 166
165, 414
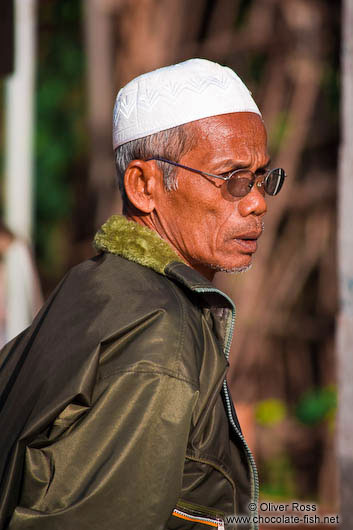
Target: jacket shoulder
132, 316
146, 322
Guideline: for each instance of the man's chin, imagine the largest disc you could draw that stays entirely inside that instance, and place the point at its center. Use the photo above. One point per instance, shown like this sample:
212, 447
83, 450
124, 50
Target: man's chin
238, 270
241, 265
223, 266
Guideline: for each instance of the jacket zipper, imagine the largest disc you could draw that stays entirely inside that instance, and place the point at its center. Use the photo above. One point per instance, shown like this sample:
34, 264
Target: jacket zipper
207, 521
228, 341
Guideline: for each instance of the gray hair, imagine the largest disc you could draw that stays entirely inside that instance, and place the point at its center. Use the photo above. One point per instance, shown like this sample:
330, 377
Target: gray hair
171, 144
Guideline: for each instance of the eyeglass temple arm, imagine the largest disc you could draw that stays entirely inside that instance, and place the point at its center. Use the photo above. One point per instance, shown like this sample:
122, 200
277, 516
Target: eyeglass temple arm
187, 168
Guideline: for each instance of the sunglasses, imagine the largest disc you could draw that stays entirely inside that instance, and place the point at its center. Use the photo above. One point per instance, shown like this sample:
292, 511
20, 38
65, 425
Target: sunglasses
240, 182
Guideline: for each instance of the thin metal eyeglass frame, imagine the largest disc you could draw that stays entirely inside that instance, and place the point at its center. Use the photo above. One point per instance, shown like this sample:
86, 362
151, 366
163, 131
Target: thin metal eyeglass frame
225, 179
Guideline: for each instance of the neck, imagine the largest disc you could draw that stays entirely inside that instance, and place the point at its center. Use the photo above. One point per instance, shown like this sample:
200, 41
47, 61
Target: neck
151, 222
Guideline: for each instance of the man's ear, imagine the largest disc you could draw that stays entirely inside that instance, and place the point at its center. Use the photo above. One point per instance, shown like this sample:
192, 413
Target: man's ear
140, 183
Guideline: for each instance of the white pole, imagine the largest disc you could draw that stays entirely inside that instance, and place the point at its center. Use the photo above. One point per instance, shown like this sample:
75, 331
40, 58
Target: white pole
100, 67
345, 264
19, 124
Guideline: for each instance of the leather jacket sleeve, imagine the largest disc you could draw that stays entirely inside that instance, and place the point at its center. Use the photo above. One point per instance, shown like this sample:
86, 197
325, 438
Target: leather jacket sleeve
116, 464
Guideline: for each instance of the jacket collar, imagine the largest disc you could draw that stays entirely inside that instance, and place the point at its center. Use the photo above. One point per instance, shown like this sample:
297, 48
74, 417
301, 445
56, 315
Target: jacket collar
144, 246
136, 243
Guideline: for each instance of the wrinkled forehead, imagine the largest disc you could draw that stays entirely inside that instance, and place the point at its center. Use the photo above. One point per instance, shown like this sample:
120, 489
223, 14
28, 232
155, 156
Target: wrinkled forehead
238, 134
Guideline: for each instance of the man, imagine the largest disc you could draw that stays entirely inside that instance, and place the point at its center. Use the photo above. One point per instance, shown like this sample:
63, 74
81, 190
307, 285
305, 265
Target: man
117, 413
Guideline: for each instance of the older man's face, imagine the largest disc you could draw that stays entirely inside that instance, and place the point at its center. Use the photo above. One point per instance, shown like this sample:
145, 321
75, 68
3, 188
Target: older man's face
209, 230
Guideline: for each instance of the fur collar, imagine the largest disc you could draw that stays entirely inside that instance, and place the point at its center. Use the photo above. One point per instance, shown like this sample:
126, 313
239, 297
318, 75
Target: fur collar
135, 243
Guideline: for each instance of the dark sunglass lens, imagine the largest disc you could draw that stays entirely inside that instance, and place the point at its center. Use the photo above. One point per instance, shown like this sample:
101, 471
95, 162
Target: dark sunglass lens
239, 187
274, 181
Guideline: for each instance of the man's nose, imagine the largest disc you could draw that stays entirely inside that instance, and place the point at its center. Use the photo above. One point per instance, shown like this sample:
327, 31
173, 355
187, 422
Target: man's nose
253, 203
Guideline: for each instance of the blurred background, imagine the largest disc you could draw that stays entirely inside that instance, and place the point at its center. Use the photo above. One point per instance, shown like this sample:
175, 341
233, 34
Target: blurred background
73, 56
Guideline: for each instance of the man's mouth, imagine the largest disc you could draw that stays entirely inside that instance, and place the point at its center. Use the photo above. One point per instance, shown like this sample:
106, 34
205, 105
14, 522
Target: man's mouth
248, 241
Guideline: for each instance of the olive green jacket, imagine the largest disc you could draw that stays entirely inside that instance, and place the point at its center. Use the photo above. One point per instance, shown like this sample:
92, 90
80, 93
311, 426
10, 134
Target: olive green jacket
115, 411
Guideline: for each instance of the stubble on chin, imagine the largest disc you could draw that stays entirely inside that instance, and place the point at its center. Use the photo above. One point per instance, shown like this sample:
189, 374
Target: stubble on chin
238, 270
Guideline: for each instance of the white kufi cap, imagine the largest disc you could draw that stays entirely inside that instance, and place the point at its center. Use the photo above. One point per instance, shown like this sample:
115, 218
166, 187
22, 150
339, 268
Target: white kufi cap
175, 95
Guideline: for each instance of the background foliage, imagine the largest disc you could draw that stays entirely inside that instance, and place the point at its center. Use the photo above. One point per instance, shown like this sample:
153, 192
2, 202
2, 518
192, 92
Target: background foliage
61, 138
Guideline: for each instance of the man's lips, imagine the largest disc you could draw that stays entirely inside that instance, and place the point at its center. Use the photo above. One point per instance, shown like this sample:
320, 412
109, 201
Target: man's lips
248, 241
248, 245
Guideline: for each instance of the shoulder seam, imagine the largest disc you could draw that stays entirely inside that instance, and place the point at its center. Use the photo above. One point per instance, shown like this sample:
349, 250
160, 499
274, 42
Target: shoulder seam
173, 288
151, 372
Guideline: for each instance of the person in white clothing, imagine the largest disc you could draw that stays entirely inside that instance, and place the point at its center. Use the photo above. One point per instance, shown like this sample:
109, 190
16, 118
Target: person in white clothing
20, 291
